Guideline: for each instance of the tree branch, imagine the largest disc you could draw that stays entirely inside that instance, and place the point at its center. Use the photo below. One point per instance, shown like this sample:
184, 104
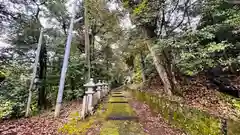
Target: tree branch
183, 17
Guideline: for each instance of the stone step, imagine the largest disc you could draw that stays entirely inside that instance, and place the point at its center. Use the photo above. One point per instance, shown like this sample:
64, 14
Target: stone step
116, 93
118, 102
118, 96
115, 117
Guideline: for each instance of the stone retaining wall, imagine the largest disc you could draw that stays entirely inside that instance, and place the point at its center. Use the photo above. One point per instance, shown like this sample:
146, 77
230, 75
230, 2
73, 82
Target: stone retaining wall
192, 120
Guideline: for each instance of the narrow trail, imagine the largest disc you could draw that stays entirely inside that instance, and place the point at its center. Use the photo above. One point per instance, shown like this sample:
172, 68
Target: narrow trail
116, 117
121, 115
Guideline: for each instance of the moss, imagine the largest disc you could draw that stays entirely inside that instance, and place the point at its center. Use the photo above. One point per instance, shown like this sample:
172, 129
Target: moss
129, 128
116, 99
75, 126
120, 109
236, 104
109, 128
193, 121
233, 127
121, 128
140, 7
115, 127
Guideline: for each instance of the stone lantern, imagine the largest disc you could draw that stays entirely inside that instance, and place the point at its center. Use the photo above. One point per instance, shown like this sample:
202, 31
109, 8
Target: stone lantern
90, 91
99, 89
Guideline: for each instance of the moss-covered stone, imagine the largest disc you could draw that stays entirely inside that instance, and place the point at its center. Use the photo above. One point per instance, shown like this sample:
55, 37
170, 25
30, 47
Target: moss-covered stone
117, 99
120, 109
193, 121
111, 127
121, 128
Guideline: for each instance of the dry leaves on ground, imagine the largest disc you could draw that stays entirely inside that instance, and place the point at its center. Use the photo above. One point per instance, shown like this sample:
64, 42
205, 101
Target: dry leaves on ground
44, 124
153, 124
197, 94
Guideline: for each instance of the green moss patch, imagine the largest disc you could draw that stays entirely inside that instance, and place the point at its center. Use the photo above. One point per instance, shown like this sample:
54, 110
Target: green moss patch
121, 128
117, 94
115, 99
193, 121
75, 126
109, 128
120, 109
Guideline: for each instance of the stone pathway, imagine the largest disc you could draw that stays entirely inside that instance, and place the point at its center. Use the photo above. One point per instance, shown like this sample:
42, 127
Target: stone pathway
118, 116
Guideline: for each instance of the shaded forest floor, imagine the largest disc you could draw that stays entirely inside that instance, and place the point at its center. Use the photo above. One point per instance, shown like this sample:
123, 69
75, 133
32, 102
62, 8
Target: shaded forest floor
197, 93
44, 124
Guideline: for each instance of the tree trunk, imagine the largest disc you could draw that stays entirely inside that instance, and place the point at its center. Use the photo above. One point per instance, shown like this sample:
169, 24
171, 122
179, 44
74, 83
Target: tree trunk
159, 62
169, 69
42, 77
34, 73
87, 42
161, 70
142, 67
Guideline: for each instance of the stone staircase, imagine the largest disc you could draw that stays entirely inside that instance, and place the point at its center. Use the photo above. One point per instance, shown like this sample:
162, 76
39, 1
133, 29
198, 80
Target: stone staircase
120, 118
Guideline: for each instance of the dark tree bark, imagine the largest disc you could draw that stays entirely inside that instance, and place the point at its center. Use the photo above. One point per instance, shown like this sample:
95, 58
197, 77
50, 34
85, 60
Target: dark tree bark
142, 66
42, 76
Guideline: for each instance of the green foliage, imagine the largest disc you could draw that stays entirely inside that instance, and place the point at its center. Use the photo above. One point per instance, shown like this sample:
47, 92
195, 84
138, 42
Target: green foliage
137, 77
2, 75
214, 42
6, 109
13, 92
236, 103
140, 7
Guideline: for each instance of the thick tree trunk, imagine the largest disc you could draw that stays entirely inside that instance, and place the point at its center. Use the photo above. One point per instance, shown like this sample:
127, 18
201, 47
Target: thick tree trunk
42, 77
142, 67
159, 63
161, 71
169, 69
